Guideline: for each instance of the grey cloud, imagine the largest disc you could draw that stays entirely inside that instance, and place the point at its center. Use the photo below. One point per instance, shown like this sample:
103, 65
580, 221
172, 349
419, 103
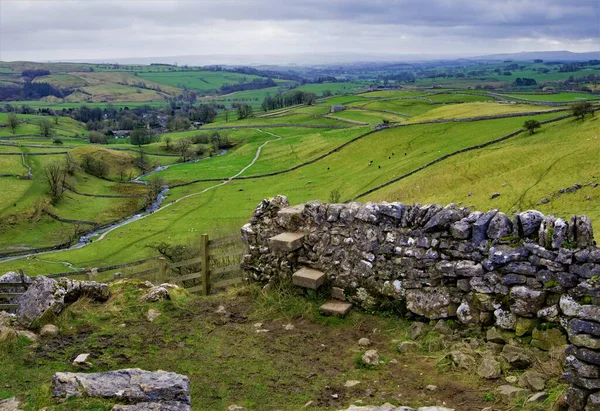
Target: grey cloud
153, 26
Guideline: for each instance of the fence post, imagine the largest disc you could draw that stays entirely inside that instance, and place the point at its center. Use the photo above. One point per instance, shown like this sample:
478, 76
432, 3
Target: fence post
162, 270
204, 264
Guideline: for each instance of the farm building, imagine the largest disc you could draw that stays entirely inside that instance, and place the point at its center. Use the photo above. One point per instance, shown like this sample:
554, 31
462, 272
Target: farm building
336, 108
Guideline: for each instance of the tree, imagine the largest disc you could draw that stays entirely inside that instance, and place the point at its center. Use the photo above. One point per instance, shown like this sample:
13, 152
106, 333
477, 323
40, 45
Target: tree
46, 128
13, 122
168, 141
95, 137
531, 125
140, 137
57, 141
55, 176
243, 110
183, 148
581, 108
335, 195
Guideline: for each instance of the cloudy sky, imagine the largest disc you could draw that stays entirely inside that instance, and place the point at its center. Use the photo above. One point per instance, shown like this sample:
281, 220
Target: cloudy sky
43, 30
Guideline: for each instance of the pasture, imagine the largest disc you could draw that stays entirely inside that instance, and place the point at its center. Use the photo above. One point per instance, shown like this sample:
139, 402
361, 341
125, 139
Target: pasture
310, 163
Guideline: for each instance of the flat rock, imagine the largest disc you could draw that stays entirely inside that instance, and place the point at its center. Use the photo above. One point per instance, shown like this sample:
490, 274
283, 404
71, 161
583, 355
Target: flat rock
128, 385
46, 295
49, 330
532, 380
516, 356
489, 369
335, 308
407, 346
10, 404
509, 393
309, 278
286, 241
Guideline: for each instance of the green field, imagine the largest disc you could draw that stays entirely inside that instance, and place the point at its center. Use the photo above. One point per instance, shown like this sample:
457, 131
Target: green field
204, 81
555, 97
223, 206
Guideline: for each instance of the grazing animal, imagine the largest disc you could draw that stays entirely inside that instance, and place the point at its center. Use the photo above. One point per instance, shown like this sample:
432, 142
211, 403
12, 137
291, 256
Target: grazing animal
379, 166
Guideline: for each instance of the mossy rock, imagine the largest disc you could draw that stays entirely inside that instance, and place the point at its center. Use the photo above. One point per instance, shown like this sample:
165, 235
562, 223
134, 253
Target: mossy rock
546, 339
524, 326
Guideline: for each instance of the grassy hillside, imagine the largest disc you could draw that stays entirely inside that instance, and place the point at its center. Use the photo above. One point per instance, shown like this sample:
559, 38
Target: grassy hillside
204, 81
323, 163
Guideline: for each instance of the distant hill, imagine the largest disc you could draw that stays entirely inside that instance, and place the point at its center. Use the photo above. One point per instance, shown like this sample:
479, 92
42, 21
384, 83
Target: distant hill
543, 55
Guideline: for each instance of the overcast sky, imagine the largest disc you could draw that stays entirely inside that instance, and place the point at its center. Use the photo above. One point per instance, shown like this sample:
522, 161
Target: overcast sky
43, 30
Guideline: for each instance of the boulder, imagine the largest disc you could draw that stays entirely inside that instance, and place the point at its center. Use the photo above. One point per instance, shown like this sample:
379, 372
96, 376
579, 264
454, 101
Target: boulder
527, 301
128, 385
433, 303
577, 397
489, 369
407, 346
10, 404
500, 226
462, 360
508, 393
371, 357
516, 356
528, 223
154, 294
47, 296
49, 330
416, 330
546, 339
7, 334
532, 380
495, 336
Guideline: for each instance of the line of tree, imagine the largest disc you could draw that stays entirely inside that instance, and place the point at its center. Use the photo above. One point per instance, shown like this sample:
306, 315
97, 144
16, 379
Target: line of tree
289, 98
33, 73
30, 91
525, 81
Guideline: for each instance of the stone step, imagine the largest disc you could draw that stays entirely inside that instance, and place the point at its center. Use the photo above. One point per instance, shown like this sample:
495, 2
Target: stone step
292, 211
286, 241
308, 278
335, 308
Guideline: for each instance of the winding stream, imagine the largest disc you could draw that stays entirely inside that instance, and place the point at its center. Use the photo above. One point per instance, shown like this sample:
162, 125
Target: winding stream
155, 207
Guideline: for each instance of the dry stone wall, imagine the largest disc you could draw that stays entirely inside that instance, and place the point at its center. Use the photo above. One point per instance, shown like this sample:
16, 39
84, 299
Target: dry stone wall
529, 273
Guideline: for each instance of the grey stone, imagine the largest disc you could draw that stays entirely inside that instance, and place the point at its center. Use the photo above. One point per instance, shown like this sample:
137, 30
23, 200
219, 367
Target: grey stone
516, 356
49, 330
513, 279
585, 340
503, 254
407, 347
587, 383
433, 303
584, 354
581, 368
466, 268
335, 308
508, 393
527, 301
495, 336
461, 230
10, 404
129, 385
416, 330
547, 339
593, 402
154, 294
481, 225
569, 306
442, 220
584, 233
528, 223
500, 226
533, 380
585, 270
577, 326
489, 369
45, 295
577, 397
370, 357
463, 361
538, 397
560, 233
505, 319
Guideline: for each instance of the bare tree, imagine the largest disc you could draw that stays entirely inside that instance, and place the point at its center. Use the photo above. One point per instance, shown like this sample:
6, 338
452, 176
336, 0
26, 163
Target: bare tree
46, 128
13, 122
55, 176
183, 148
